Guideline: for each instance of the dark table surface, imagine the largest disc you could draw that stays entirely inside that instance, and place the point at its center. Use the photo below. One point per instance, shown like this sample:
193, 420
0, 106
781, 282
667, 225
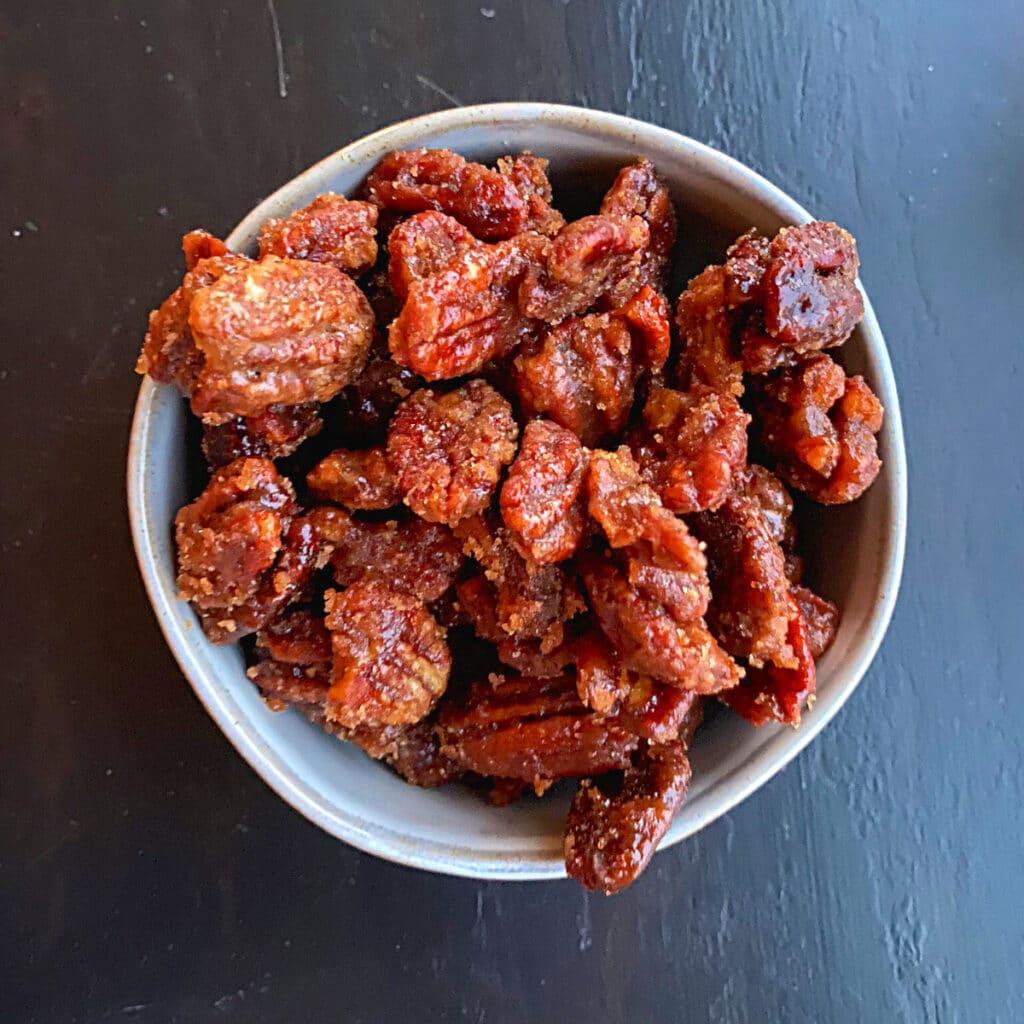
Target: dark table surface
147, 874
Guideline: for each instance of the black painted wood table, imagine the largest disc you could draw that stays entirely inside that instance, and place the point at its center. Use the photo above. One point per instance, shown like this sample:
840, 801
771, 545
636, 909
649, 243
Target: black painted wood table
148, 875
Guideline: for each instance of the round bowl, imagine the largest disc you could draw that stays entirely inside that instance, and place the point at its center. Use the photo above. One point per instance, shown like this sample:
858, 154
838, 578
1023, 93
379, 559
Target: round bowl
855, 552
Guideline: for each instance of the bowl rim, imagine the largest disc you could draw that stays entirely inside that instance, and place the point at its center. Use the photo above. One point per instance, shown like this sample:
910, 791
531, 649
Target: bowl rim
743, 779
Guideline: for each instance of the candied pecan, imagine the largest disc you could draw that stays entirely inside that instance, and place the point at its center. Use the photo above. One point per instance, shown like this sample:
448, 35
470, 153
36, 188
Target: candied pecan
580, 264
477, 600
811, 300
772, 692
232, 533
750, 606
284, 684
760, 352
657, 712
361, 480
485, 201
601, 681
745, 264
201, 245
420, 558
764, 487
460, 318
169, 354
582, 374
692, 445
540, 499
273, 434
820, 425
654, 638
365, 406
610, 837
646, 314
529, 174
531, 730
448, 450
424, 245
296, 637
638, 191
709, 354
413, 751
527, 656
242, 556
279, 331
822, 618
630, 513
331, 229
531, 599
391, 662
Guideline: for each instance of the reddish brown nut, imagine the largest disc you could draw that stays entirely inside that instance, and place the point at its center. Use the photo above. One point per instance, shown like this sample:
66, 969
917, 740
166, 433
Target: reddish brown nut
413, 751
692, 445
811, 300
169, 354
821, 617
273, 434
774, 693
488, 203
750, 609
448, 450
284, 684
638, 191
654, 638
631, 514
646, 315
529, 175
201, 245
528, 657
331, 229
420, 558
821, 426
531, 729
531, 600
279, 331
769, 492
709, 353
296, 637
582, 375
601, 681
581, 263
476, 604
457, 320
501, 700
745, 264
610, 837
659, 713
424, 245
358, 480
242, 556
648, 709
540, 499
390, 663
761, 353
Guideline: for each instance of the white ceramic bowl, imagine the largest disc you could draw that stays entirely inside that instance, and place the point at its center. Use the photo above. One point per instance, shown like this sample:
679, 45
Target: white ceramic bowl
856, 551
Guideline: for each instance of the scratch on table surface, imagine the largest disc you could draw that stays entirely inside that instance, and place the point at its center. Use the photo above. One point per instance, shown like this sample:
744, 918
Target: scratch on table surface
427, 83
282, 78
584, 925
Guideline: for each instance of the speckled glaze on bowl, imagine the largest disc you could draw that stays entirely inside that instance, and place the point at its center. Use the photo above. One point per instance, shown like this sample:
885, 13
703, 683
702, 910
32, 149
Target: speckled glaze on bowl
855, 552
